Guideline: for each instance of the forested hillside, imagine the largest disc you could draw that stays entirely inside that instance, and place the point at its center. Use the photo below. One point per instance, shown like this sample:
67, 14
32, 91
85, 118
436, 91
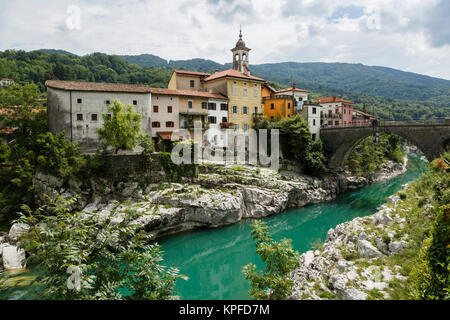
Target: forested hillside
388, 93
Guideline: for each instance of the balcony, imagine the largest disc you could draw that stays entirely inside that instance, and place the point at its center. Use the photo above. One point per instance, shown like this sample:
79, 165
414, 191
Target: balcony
226, 125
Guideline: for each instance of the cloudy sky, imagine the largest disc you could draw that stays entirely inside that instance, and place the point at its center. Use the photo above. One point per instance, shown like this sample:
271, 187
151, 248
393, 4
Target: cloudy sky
411, 35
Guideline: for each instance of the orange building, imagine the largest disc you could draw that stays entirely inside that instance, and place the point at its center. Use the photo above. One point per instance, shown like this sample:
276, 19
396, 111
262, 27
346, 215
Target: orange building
277, 105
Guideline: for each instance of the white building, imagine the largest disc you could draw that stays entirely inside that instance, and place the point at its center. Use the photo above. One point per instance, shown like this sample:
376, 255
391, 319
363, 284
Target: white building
4, 82
217, 118
300, 95
311, 113
77, 107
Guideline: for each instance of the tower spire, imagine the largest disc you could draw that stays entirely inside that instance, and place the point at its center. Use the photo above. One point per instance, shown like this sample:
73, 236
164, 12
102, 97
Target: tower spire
240, 55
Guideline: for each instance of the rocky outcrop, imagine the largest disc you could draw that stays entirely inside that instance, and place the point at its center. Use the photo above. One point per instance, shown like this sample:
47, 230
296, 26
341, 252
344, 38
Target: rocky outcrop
222, 195
345, 267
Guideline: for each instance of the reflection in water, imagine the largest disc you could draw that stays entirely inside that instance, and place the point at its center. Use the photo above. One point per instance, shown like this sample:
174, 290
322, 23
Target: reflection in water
213, 259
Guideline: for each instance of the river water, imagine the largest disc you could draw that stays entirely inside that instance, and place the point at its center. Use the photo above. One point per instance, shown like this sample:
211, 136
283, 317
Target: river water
213, 258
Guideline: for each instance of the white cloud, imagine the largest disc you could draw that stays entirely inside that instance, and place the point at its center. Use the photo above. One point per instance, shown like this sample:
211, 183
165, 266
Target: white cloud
412, 34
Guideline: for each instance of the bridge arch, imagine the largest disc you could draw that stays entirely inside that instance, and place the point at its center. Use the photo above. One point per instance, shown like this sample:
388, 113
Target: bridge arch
430, 139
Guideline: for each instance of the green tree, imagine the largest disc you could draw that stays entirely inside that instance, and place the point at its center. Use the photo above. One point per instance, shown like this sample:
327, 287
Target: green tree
99, 258
280, 259
122, 130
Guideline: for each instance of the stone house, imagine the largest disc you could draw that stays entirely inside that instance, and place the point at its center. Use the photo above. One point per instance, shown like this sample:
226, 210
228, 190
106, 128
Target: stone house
77, 107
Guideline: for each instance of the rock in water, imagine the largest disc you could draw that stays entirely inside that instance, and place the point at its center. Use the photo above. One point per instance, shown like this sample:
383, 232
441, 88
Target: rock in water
13, 258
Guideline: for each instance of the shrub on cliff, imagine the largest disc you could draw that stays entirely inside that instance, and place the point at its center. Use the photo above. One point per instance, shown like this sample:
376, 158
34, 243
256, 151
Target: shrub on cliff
80, 258
280, 259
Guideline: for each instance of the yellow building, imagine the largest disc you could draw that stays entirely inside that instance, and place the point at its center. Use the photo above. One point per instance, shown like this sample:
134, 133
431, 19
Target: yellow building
276, 105
243, 92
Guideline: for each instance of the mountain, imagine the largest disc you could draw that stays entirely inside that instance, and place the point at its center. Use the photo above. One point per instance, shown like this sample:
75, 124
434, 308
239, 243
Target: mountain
358, 78
385, 92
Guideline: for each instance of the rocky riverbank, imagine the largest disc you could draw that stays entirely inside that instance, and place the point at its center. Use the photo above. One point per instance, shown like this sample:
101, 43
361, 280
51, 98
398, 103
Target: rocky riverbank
219, 196
360, 259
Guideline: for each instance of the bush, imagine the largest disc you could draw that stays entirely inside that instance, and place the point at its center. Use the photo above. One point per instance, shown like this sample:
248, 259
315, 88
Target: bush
77, 257
280, 259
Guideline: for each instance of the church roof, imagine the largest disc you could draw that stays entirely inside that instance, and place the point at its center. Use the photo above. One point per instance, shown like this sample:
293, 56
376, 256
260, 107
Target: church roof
97, 87
232, 74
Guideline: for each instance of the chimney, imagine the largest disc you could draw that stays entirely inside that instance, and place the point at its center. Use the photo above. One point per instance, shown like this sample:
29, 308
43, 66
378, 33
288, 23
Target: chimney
293, 86
217, 70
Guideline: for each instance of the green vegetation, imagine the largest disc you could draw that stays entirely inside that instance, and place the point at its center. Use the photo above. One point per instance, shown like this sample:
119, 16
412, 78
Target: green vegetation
184, 170
431, 273
78, 258
280, 259
39, 66
296, 143
372, 152
122, 130
16, 94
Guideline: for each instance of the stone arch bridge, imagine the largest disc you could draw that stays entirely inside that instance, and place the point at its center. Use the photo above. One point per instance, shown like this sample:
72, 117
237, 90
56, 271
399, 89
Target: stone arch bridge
430, 138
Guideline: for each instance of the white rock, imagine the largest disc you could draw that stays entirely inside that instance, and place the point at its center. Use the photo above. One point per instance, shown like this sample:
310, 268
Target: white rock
17, 230
397, 246
367, 250
12, 257
353, 294
308, 258
338, 282
381, 218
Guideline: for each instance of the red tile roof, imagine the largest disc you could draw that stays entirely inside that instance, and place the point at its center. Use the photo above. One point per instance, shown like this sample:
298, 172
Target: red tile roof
96, 87
189, 93
333, 99
232, 74
290, 89
192, 73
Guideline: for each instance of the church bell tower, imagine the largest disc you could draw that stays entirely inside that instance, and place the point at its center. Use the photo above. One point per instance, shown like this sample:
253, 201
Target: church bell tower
240, 56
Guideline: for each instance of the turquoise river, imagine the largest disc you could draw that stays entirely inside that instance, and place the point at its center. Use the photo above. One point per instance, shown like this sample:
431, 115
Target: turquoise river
213, 258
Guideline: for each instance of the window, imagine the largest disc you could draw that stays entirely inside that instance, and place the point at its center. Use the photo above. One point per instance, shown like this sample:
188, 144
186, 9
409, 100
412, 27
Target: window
224, 107
79, 100
245, 127
272, 106
156, 124
155, 109
245, 92
204, 105
245, 83
337, 111
108, 102
314, 122
235, 109
224, 119
330, 113
202, 118
314, 110
79, 117
170, 124
256, 110
289, 105
94, 117
336, 123
345, 111
212, 106
108, 116
134, 102
314, 137
255, 93
190, 104
192, 83
212, 120
330, 123
244, 110
169, 109
235, 91
235, 127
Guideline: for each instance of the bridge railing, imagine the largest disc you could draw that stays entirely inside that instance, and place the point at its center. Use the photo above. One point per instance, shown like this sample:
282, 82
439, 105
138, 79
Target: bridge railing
386, 123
